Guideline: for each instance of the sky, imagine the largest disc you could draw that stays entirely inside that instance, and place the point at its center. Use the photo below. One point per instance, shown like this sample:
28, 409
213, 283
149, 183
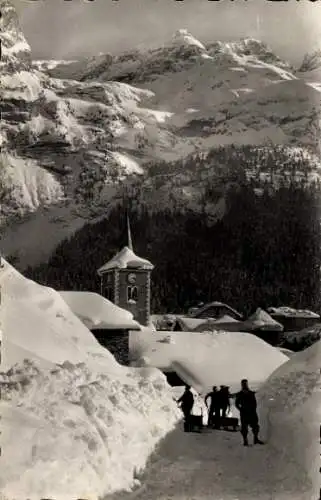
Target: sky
69, 29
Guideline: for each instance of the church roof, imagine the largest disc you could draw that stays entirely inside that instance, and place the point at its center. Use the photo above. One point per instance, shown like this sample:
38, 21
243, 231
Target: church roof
126, 259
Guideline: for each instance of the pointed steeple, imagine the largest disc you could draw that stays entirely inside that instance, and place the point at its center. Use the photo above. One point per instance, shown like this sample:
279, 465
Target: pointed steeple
129, 235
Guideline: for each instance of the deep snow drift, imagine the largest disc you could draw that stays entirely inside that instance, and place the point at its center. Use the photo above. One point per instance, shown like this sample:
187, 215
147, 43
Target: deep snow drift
290, 410
75, 424
206, 359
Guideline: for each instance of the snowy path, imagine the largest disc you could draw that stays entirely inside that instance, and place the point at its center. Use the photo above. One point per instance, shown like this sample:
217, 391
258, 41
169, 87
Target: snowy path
214, 466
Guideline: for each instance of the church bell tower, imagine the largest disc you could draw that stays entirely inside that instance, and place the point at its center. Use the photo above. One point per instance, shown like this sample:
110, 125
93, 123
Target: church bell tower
125, 281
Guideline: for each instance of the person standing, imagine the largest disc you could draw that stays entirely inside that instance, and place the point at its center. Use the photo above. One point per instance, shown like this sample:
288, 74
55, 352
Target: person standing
214, 408
245, 402
225, 401
187, 402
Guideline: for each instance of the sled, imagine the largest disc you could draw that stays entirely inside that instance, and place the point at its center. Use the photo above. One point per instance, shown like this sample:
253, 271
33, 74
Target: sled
229, 423
194, 423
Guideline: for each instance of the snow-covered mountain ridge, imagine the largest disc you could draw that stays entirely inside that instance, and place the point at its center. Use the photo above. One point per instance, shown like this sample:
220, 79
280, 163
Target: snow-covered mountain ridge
72, 132
179, 53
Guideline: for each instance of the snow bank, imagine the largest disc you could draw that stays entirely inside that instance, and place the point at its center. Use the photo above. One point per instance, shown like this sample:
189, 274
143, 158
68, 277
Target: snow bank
84, 433
87, 424
207, 359
290, 408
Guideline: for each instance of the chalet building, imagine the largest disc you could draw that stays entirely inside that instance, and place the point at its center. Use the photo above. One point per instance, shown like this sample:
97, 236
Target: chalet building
214, 310
125, 281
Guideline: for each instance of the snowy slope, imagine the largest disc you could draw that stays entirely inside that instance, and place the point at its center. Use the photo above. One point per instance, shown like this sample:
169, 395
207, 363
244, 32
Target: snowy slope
60, 139
207, 359
290, 406
226, 83
87, 424
238, 91
217, 466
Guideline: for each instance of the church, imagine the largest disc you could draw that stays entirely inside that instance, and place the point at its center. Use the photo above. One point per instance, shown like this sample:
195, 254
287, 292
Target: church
125, 280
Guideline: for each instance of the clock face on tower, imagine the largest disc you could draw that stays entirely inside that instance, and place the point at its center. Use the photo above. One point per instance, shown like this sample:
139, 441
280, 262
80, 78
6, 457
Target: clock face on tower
131, 278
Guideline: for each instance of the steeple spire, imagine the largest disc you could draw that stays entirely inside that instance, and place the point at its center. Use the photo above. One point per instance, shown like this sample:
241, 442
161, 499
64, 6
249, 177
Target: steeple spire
129, 235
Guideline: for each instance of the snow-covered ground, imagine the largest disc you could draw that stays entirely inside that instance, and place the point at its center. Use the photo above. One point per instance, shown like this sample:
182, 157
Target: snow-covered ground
75, 424
88, 425
215, 465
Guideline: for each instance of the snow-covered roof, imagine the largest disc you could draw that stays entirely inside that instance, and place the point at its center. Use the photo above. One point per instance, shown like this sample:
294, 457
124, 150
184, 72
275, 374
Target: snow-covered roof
190, 324
290, 412
96, 312
215, 304
261, 320
225, 323
126, 259
204, 359
226, 319
289, 312
46, 329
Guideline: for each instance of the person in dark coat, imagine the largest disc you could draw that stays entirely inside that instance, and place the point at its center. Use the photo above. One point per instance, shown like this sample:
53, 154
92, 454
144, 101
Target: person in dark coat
214, 409
224, 401
187, 402
245, 402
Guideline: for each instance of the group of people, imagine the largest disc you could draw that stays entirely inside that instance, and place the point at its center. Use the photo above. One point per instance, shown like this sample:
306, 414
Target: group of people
219, 408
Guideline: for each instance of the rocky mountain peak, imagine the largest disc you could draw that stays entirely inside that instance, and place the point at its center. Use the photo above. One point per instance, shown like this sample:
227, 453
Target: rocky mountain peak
183, 37
16, 52
311, 61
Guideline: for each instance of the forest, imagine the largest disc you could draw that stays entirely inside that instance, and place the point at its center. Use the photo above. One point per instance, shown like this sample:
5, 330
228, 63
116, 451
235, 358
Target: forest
264, 251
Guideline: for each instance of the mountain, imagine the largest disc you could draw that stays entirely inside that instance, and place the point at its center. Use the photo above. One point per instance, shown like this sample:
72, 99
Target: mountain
238, 91
311, 61
74, 132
